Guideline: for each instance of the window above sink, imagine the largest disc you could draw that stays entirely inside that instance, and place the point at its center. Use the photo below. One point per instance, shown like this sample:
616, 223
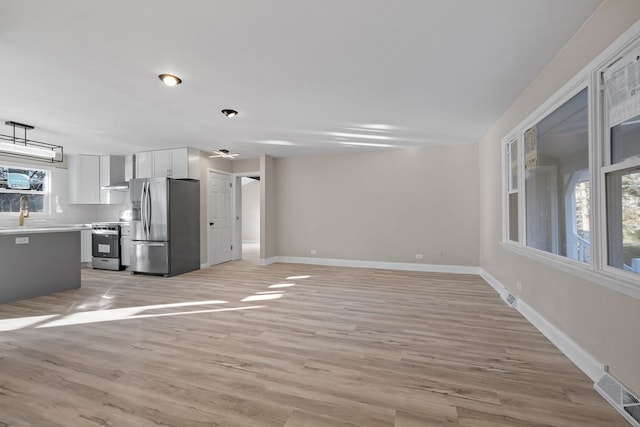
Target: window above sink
30, 182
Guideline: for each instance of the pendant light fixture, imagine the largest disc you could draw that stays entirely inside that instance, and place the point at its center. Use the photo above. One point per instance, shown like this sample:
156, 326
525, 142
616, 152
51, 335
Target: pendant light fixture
11, 145
224, 153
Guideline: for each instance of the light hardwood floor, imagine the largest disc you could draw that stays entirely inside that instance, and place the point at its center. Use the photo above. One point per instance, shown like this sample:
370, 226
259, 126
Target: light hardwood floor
284, 345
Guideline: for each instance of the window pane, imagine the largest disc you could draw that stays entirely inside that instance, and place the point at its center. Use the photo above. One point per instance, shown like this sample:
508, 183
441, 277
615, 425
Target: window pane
625, 140
513, 165
557, 159
513, 217
623, 219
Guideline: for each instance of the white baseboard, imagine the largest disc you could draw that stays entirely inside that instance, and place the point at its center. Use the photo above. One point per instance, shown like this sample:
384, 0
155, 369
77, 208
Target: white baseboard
267, 261
434, 268
579, 356
205, 265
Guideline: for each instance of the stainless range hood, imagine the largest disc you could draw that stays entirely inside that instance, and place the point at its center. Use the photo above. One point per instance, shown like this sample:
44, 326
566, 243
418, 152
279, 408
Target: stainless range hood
116, 171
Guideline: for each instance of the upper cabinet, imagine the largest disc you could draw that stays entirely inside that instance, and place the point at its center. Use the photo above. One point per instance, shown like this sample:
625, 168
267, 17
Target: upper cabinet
84, 179
89, 174
179, 163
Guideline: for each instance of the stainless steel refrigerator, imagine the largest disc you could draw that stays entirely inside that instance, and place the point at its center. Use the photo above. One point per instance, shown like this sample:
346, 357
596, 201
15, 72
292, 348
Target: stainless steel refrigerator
165, 226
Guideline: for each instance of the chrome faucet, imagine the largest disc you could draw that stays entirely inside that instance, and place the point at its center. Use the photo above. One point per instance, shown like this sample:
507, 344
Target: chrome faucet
24, 209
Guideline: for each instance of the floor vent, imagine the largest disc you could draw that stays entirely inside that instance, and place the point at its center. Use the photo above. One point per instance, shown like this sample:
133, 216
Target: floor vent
510, 300
620, 398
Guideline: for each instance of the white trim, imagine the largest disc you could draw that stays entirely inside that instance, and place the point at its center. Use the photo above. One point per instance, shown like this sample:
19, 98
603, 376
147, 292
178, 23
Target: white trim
608, 279
205, 265
435, 268
579, 356
268, 261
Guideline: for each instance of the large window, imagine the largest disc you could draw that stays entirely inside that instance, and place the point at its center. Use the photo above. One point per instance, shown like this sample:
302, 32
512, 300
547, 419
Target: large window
621, 174
571, 188
29, 184
557, 181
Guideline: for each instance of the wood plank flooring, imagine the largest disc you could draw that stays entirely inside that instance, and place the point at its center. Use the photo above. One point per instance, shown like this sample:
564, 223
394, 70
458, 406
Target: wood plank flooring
284, 345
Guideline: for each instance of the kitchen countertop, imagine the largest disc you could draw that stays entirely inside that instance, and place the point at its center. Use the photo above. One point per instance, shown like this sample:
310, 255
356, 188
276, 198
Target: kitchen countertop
44, 228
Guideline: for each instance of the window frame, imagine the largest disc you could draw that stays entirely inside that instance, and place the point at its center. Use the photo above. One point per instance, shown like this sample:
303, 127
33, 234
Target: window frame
508, 190
631, 163
46, 192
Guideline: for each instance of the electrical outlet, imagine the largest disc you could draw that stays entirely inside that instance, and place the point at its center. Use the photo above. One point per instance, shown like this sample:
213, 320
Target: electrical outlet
418, 256
313, 252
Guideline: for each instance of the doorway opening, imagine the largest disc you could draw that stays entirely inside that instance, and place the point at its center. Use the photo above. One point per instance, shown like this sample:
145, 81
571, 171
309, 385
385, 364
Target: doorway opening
247, 224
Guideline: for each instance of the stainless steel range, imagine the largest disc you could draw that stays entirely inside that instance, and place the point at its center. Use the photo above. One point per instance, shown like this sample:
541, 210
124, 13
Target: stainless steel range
105, 245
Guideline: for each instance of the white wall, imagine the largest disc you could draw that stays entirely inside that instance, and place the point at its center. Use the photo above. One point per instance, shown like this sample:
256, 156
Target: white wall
603, 322
384, 206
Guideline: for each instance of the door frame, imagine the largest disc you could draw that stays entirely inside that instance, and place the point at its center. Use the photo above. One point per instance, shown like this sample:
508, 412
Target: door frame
236, 213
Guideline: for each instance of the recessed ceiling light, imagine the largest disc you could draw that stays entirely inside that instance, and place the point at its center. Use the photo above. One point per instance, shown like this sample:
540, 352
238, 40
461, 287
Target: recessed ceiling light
170, 79
229, 113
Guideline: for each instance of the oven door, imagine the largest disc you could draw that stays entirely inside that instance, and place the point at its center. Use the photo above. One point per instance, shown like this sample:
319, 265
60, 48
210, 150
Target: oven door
105, 244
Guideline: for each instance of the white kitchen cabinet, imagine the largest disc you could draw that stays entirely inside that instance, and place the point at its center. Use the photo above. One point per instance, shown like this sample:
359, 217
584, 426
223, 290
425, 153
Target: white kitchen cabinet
129, 162
125, 245
85, 247
162, 163
180, 163
88, 174
144, 164
84, 179
185, 163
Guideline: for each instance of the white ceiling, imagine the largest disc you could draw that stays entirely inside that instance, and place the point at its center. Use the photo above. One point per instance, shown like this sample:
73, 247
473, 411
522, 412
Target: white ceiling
306, 76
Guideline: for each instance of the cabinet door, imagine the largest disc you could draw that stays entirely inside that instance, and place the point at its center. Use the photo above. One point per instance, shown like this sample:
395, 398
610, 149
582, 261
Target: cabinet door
84, 179
144, 164
185, 163
162, 163
180, 163
85, 246
128, 168
125, 245
125, 251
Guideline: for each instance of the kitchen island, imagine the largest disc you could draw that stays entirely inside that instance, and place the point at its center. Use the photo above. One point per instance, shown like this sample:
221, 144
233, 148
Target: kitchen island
39, 260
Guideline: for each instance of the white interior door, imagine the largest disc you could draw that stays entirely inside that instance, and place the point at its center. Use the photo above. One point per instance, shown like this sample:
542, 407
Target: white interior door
219, 199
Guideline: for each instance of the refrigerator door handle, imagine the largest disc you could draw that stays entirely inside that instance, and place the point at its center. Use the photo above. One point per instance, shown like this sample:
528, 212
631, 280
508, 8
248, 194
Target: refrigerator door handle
149, 210
143, 210
147, 244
